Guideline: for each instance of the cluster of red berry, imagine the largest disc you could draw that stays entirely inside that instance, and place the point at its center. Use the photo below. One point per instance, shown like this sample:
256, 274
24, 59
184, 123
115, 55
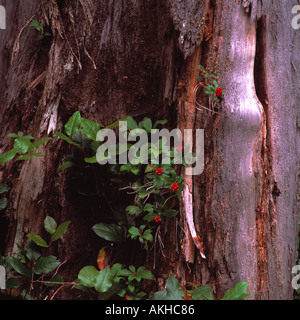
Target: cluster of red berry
157, 219
159, 172
219, 92
174, 187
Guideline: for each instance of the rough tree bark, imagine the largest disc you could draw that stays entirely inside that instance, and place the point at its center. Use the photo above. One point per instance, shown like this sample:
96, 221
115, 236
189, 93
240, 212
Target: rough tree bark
114, 58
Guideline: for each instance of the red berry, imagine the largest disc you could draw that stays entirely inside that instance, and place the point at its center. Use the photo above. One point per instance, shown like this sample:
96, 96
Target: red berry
174, 187
159, 172
219, 92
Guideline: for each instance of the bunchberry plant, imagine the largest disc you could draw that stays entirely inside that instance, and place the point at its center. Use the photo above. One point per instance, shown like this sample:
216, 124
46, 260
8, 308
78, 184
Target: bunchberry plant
115, 280
175, 291
210, 83
157, 187
35, 269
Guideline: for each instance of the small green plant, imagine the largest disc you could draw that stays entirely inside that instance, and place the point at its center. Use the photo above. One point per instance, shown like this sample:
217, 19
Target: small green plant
31, 267
116, 280
174, 291
23, 146
39, 26
22, 150
210, 83
156, 188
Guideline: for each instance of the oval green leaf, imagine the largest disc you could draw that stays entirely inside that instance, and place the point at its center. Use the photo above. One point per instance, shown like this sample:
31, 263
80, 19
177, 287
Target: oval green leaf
73, 125
38, 240
109, 232
87, 276
50, 225
61, 229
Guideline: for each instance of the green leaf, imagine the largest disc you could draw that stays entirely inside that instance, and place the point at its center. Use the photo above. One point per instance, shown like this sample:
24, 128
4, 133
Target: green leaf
158, 122
130, 167
73, 125
116, 268
29, 137
134, 210
216, 84
35, 24
13, 135
135, 232
148, 235
158, 182
173, 291
19, 267
132, 268
144, 274
149, 169
150, 217
37, 144
50, 225
87, 276
103, 280
202, 293
7, 156
237, 292
64, 137
38, 240
67, 164
91, 159
82, 140
60, 230
3, 188
46, 264
29, 156
135, 170
3, 203
170, 213
31, 250
114, 289
149, 207
209, 75
22, 145
12, 283
124, 273
131, 288
131, 123
160, 295
90, 128
115, 124
109, 232
147, 124
209, 89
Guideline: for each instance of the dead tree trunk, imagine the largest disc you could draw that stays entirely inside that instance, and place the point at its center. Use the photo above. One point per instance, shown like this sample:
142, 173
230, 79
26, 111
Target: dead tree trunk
114, 58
